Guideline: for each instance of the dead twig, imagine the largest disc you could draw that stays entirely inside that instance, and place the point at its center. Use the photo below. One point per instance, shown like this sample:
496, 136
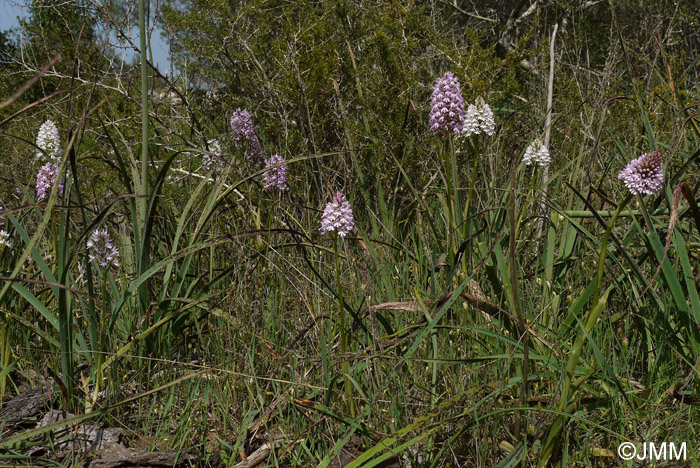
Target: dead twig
261, 454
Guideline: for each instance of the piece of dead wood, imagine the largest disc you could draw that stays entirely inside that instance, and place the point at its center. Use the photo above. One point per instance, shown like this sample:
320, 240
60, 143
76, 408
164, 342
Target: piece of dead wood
267, 414
478, 293
83, 437
119, 457
261, 454
481, 304
686, 399
26, 405
411, 306
353, 449
394, 306
346, 457
588, 402
349, 452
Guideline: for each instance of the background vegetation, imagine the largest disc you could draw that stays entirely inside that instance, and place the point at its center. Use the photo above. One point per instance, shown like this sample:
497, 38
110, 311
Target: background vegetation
479, 331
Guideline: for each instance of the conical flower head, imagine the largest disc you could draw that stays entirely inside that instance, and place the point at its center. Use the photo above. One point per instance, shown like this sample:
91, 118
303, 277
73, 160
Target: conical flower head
244, 133
471, 122
212, 161
337, 216
102, 250
242, 125
537, 154
478, 119
644, 175
275, 178
5, 240
48, 140
45, 180
486, 120
447, 105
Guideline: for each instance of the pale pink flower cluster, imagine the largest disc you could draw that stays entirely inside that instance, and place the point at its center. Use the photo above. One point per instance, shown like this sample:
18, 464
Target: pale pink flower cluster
337, 216
447, 105
5, 240
45, 180
49, 141
102, 250
537, 154
276, 177
644, 175
243, 132
211, 160
478, 119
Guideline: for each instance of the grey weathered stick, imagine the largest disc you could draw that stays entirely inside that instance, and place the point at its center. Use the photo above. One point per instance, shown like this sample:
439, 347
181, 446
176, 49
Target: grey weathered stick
548, 124
261, 454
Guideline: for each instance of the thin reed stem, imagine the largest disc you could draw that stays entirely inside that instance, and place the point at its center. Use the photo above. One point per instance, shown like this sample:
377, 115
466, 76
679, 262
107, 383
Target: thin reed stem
144, 109
347, 385
448, 179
